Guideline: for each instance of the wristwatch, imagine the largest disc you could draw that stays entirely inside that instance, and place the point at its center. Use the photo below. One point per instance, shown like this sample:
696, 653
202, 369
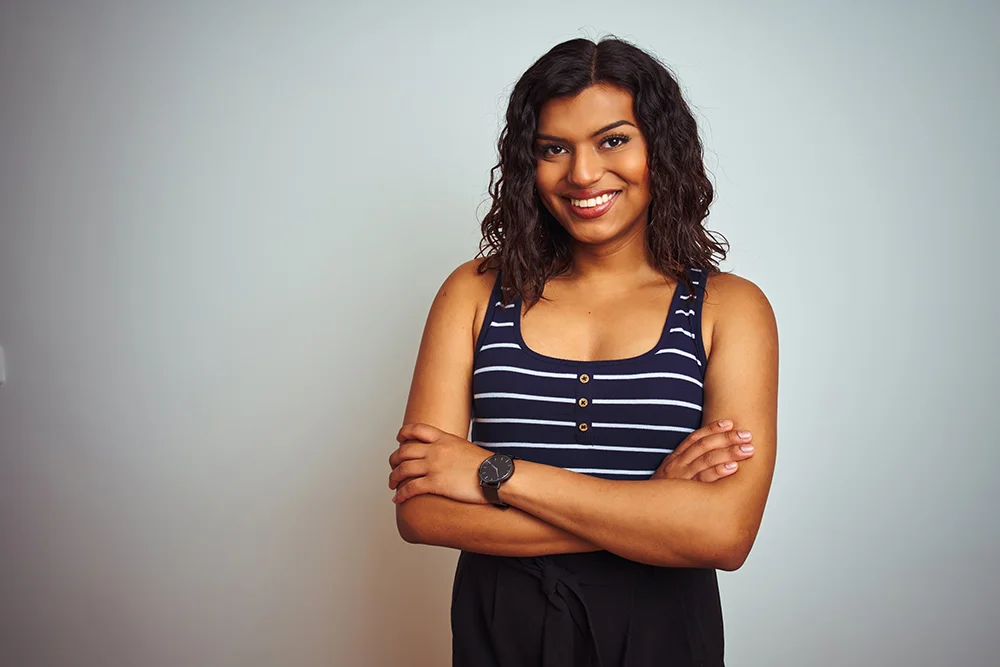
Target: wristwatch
493, 472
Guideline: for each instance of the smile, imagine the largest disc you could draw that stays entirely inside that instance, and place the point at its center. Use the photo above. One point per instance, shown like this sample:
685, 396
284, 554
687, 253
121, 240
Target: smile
594, 207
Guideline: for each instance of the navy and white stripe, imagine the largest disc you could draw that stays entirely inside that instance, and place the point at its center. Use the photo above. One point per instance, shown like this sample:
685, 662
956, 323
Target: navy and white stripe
615, 419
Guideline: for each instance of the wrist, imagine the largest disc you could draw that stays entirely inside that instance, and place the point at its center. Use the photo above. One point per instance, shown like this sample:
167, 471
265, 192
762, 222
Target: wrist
513, 490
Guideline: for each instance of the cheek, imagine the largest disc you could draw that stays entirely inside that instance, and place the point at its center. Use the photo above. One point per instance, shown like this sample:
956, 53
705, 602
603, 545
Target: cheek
544, 184
546, 180
635, 169
546, 176
643, 180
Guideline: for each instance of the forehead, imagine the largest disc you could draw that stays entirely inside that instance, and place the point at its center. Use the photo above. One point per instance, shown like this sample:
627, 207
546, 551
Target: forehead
580, 115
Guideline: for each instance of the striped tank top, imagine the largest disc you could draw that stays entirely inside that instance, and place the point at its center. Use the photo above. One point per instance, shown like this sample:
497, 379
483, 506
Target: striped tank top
615, 419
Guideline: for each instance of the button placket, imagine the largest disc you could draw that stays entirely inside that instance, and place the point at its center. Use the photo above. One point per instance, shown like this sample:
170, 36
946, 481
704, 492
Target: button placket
583, 391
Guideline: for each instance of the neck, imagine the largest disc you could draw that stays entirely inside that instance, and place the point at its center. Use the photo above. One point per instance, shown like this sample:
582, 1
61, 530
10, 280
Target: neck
620, 261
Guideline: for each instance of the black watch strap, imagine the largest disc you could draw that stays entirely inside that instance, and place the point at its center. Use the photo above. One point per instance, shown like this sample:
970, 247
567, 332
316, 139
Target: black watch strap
492, 494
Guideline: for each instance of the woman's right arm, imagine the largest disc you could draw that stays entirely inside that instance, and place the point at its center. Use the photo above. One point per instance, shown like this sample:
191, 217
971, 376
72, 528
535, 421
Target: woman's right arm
441, 395
485, 529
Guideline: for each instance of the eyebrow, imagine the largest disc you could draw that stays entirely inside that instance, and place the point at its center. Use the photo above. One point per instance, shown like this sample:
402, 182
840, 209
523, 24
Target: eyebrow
611, 126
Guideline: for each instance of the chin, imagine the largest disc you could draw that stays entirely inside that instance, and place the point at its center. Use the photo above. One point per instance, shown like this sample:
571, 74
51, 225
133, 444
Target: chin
599, 230
592, 235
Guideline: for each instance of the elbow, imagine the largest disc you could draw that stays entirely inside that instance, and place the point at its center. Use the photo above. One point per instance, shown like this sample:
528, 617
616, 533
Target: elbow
724, 548
407, 529
732, 549
719, 550
411, 522
732, 559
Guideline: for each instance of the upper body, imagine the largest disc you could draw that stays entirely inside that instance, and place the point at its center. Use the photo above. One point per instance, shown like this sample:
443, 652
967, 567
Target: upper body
596, 280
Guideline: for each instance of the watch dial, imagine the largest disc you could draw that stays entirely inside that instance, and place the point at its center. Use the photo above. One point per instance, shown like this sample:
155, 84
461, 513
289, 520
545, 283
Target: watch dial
496, 468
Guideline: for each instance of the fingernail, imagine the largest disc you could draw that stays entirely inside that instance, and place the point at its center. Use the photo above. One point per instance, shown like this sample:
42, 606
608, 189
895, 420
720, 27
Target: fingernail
746, 448
725, 423
743, 434
731, 465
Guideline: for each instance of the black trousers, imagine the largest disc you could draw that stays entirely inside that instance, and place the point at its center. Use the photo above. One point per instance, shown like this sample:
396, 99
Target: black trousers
583, 610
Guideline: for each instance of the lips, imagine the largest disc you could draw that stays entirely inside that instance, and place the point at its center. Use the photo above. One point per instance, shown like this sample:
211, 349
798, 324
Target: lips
596, 211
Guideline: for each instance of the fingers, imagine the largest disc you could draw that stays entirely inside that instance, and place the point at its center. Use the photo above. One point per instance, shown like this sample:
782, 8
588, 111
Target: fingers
719, 463
415, 487
716, 473
407, 452
721, 426
703, 455
713, 442
422, 432
407, 470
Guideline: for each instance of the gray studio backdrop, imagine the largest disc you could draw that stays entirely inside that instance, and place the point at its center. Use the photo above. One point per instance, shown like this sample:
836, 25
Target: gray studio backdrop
223, 224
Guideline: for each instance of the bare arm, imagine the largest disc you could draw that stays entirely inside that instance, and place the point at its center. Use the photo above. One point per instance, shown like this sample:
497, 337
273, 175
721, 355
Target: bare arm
681, 522
431, 519
441, 394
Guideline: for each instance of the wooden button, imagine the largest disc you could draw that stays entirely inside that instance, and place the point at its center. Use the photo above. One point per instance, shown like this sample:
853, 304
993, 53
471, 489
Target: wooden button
585, 378
582, 402
584, 427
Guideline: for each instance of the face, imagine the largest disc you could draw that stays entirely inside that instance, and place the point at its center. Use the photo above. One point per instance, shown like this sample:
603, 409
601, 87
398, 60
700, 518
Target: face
591, 168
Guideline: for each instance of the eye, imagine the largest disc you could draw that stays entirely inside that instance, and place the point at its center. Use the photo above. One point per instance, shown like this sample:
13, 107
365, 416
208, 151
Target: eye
549, 150
616, 140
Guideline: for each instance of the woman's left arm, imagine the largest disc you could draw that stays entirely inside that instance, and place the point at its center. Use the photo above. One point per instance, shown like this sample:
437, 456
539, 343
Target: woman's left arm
670, 522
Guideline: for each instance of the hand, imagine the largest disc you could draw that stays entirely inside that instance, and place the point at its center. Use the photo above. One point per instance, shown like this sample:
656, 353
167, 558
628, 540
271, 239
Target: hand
708, 454
432, 461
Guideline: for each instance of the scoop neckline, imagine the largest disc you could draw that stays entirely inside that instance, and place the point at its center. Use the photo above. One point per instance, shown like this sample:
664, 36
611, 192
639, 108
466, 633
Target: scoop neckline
596, 362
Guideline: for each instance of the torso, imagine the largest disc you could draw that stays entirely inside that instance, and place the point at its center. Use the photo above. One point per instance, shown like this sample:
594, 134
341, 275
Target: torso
597, 379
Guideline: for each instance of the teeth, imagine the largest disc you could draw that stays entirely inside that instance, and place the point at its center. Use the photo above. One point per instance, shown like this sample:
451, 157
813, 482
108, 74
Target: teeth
594, 201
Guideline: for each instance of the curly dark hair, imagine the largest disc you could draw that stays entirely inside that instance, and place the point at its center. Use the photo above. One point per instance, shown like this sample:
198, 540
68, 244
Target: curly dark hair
520, 236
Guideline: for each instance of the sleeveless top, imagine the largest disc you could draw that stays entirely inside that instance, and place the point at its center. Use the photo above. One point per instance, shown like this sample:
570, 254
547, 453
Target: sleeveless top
615, 419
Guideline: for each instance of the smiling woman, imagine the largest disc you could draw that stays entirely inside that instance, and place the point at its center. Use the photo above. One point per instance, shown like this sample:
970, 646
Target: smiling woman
622, 390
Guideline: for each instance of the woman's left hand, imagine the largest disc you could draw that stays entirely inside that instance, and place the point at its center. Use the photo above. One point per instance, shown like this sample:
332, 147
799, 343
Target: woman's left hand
430, 460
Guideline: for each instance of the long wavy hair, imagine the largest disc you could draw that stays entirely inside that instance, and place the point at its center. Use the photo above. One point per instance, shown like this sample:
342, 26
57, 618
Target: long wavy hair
520, 236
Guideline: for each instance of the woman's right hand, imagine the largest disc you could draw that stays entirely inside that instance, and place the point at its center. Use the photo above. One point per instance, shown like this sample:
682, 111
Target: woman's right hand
708, 454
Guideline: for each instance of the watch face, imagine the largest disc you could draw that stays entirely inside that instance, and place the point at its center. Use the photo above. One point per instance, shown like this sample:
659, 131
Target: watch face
496, 469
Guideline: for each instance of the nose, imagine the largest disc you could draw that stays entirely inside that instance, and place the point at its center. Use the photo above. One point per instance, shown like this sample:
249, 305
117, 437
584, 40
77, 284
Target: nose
585, 169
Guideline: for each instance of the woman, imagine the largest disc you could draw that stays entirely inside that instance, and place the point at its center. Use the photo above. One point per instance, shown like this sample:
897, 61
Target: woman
617, 458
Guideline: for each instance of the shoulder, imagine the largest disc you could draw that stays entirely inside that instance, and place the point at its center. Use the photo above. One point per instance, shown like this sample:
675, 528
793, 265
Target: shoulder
466, 285
735, 306
464, 295
728, 290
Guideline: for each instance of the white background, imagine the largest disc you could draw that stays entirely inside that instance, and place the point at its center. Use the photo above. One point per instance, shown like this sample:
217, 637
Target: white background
221, 227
